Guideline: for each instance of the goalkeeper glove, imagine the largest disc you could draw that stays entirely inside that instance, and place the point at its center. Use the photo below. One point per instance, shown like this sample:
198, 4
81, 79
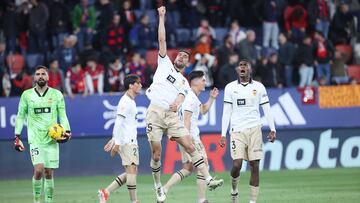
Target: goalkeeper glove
66, 137
18, 145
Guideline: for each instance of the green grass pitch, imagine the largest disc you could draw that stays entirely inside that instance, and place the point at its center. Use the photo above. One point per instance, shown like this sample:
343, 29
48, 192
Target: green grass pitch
299, 186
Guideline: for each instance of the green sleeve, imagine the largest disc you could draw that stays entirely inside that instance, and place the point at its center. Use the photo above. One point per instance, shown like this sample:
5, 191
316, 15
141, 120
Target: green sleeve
75, 16
92, 18
62, 113
22, 113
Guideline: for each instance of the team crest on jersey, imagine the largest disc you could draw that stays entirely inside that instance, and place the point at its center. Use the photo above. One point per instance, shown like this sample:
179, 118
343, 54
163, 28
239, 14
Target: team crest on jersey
254, 92
171, 79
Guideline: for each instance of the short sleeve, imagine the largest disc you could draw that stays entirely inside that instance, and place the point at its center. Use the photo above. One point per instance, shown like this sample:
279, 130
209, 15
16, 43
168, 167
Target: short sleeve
190, 104
164, 62
227, 95
263, 95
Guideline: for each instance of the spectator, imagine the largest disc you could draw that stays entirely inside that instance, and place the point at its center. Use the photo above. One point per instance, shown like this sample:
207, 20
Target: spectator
341, 25
20, 83
88, 53
146, 35
202, 47
115, 75
59, 23
205, 63
66, 54
75, 80
38, 19
127, 14
94, 75
270, 24
324, 52
227, 72
206, 30
83, 21
319, 16
304, 59
286, 58
105, 13
295, 17
137, 67
22, 23
237, 34
117, 36
5, 84
3, 67
224, 50
338, 69
246, 49
272, 75
56, 76
10, 27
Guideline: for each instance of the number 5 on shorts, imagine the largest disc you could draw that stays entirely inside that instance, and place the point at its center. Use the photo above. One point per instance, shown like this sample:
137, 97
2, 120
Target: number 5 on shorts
149, 128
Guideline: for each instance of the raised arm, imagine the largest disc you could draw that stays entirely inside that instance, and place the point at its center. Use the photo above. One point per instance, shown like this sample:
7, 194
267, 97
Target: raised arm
213, 94
161, 31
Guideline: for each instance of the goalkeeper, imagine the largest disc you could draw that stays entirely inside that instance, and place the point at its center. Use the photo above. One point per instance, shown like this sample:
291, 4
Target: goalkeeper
41, 106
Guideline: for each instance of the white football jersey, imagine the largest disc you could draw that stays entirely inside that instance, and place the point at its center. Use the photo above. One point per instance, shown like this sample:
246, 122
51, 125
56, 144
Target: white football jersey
128, 127
246, 100
167, 84
192, 104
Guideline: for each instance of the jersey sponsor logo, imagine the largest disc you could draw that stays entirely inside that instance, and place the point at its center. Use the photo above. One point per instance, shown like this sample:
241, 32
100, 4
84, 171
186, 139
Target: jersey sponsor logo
286, 112
254, 92
241, 102
42, 110
171, 79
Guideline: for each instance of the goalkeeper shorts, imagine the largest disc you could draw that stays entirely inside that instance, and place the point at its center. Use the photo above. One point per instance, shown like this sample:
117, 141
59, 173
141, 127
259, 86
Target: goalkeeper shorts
47, 154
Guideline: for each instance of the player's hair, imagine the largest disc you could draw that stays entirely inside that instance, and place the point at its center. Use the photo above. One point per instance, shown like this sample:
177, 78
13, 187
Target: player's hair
245, 60
195, 74
130, 80
41, 67
185, 51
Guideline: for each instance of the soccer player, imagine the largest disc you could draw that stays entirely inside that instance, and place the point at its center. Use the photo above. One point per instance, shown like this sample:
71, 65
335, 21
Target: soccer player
166, 94
124, 141
189, 114
242, 99
41, 106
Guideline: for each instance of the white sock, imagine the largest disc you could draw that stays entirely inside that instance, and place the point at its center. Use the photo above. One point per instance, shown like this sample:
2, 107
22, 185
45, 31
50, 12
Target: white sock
208, 179
251, 201
201, 200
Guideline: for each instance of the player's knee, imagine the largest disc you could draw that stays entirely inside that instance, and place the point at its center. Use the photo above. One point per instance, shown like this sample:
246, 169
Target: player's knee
156, 157
38, 173
48, 174
188, 166
237, 164
254, 166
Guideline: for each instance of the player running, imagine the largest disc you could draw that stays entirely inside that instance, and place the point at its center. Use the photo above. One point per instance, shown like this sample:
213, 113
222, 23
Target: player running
242, 99
124, 141
189, 114
41, 106
166, 94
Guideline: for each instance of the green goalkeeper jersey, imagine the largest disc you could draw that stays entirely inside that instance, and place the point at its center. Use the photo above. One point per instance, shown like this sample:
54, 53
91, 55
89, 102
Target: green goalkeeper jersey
41, 111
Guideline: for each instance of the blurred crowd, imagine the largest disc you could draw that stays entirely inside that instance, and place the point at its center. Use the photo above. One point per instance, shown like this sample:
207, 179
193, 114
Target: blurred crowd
90, 45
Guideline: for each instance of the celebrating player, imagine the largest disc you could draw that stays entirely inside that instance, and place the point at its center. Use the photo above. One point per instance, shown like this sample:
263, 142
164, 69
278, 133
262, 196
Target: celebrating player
242, 99
166, 94
189, 113
41, 106
124, 141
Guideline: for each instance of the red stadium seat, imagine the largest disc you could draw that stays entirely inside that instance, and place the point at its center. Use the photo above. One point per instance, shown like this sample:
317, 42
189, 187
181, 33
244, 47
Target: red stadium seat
346, 50
16, 63
354, 72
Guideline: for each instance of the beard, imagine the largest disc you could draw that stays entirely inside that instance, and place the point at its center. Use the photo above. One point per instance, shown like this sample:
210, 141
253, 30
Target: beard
41, 83
179, 65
